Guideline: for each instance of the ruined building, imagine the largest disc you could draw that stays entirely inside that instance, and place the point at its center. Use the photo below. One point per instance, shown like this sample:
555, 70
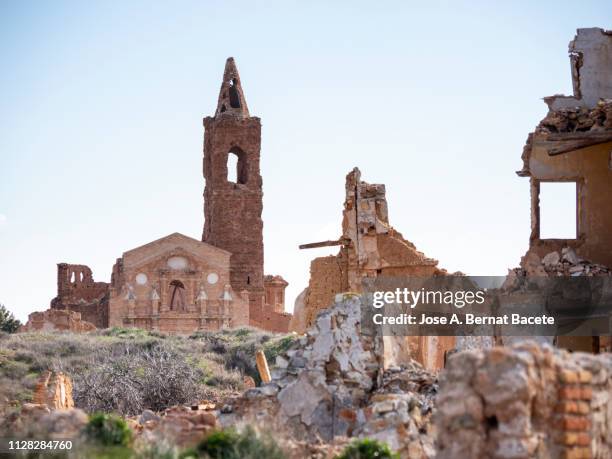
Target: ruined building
369, 247
77, 291
572, 146
178, 284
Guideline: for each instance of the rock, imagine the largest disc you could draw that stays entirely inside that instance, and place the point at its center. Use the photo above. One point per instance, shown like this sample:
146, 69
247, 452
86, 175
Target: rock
328, 388
568, 254
148, 415
551, 259
54, 390
59, 425
281, 362
269, 389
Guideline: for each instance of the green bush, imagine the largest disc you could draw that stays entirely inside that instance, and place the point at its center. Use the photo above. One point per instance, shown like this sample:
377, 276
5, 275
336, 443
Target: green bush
108, 430
8, 323
230, 444
367, 449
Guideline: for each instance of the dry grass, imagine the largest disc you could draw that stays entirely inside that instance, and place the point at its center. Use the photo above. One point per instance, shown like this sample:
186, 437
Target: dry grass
128, 370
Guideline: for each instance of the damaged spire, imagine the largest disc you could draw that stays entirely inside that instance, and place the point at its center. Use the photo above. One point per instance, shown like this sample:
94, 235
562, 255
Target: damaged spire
231, 97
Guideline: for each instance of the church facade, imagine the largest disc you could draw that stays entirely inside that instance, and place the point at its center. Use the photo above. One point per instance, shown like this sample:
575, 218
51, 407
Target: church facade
178, 284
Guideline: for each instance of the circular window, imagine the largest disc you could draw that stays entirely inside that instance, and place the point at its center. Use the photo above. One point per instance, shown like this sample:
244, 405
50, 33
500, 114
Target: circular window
141, 279
212, 278
177, 263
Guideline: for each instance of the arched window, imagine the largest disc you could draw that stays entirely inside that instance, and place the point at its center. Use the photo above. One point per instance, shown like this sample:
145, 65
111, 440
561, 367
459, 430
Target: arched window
177, 296
234, 97
237, 166
232, 167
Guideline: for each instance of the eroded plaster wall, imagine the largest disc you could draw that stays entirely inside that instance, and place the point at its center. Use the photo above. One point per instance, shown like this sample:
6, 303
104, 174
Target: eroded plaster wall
591, 67
590, 169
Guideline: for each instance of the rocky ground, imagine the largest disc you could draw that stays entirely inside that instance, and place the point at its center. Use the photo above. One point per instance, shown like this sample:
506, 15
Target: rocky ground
329, 387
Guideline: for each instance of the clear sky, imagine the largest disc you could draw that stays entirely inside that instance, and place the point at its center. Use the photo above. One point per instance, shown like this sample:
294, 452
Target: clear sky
101, 107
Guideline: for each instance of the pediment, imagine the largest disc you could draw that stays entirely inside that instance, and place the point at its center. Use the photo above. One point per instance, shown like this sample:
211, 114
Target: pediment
176, 244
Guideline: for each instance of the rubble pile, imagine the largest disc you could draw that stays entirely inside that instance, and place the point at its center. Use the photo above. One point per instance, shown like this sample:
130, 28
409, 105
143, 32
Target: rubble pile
525, 401
184, 425
564, 263
331, 385
39, 421
578, 119
56, 320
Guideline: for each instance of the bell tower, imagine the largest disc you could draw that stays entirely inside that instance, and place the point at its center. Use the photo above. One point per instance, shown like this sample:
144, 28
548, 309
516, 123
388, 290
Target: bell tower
233, 192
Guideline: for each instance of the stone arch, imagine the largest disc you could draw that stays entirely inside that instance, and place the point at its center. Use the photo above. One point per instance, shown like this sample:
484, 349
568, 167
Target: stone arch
237, 166
177, 296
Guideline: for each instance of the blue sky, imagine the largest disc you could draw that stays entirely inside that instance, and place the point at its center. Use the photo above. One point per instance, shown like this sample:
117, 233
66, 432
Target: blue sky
101, 107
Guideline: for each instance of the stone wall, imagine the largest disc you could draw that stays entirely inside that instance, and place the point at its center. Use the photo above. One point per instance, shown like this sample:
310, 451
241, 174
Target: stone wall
572, 144
270, 320
370, 247
56, 320
328, 277
589, 53
77, 291
525, 401
274, 287
176, 284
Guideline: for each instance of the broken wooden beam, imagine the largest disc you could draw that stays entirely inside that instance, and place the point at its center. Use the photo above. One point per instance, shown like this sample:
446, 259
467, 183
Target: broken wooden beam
559, 143
262, 367
314, 245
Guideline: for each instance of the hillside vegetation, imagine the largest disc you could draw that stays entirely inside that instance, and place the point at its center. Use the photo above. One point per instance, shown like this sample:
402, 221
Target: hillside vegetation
129, 370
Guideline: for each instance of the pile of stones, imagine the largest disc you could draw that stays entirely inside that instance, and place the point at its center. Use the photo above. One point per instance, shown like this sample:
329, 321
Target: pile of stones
578, 119
564, 263
331, 386
184, 425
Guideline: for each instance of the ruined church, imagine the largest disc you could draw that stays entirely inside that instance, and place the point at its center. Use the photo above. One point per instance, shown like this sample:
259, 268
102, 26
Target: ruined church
178, 284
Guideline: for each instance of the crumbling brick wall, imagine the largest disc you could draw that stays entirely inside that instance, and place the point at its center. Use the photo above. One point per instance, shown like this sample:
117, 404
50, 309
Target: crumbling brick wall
272, 321
525, 401
275, 293
77, 291
328, 277
56, 320
573, 144
370, 247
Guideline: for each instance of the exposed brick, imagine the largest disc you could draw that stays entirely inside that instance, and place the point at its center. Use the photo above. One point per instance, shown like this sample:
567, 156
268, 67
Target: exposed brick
577, 453
585, 376
570, 393
586, 393
569, 376
574, 423
575, 439
584, 408
567, 407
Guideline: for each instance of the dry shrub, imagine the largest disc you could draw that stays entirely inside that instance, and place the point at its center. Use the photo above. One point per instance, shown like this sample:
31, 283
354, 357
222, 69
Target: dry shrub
128, 380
